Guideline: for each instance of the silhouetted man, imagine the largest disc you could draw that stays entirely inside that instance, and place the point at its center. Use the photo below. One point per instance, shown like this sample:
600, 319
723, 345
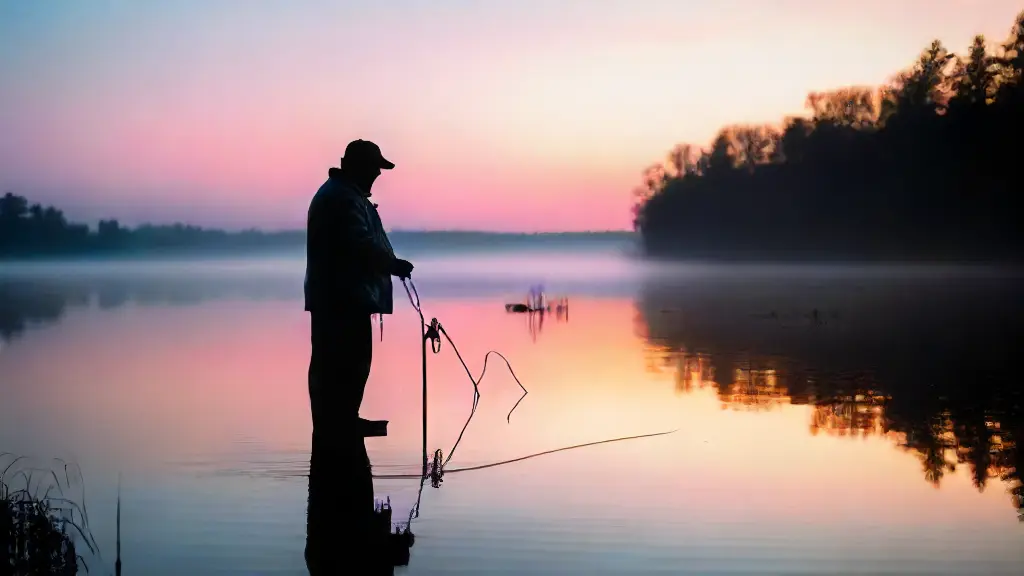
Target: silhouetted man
349, 264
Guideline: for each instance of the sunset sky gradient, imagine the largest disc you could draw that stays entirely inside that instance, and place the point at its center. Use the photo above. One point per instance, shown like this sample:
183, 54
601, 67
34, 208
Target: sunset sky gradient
526, 115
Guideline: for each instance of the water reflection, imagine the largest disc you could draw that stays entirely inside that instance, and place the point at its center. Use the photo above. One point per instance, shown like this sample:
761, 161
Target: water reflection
24, 304
38, 301
537, 309
347, 530
898, 366
535, 320
929, 366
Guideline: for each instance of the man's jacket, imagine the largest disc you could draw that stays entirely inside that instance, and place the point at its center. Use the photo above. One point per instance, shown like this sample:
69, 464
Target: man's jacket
348, 255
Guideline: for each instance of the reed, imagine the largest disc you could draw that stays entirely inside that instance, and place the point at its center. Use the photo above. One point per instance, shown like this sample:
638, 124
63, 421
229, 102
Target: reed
43, 531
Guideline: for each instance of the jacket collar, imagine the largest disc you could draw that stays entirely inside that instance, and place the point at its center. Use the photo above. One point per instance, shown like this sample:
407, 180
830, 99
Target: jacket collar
336, 175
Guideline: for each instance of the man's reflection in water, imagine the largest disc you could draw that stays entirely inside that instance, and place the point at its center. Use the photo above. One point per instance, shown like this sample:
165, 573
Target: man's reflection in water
344, 534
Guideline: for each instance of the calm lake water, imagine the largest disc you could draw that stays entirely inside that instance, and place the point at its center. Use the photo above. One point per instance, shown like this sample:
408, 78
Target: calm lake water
827, 419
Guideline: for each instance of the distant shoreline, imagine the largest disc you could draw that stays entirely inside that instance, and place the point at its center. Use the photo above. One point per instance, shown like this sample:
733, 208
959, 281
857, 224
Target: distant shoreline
258, 243
627, 250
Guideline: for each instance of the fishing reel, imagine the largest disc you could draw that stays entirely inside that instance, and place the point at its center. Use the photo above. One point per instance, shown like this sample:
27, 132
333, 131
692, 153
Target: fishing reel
436, 472
433, 333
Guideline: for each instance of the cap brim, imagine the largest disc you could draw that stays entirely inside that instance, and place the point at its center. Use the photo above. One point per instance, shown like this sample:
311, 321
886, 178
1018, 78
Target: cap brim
386, 164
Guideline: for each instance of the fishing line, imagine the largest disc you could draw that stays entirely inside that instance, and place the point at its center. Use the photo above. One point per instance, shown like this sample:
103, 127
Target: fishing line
527, 457
433, 333
414, 512
436, 469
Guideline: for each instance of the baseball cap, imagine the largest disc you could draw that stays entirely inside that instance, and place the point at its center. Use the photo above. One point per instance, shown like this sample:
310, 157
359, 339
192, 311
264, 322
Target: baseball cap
365, 153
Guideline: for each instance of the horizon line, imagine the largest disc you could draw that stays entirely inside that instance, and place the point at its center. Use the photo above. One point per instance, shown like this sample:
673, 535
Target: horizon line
252, 229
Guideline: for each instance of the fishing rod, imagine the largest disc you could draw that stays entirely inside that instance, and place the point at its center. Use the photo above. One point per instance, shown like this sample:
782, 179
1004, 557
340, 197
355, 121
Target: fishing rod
432, 332
435, 469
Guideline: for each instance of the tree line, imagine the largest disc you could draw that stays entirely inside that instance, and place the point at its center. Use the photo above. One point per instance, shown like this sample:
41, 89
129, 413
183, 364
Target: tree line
32, 230
28, 230
926, 166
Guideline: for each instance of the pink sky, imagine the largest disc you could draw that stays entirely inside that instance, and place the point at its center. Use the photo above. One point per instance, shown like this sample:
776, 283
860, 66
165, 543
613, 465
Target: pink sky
522, 115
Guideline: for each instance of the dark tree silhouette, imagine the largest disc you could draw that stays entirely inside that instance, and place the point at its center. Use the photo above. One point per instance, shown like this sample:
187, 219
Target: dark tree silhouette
34, 230
920, 168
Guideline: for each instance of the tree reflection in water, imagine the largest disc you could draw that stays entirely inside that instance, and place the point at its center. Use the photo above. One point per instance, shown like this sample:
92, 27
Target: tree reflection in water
929, 366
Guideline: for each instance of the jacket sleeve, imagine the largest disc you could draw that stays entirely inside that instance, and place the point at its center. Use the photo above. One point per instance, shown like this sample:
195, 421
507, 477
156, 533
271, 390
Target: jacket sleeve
356, 236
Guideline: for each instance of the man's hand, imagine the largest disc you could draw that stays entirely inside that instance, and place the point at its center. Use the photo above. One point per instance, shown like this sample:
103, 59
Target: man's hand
401, 268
